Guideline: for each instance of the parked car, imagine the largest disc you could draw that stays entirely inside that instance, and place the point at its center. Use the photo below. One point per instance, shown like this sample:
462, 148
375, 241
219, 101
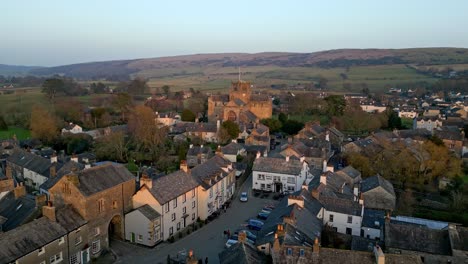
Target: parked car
263, 215
243, 197
236, 237
249, 234
255, 224
231, 242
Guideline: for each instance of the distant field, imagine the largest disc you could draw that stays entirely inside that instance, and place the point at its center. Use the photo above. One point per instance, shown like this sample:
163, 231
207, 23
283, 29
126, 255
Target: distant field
19, 132
218, 78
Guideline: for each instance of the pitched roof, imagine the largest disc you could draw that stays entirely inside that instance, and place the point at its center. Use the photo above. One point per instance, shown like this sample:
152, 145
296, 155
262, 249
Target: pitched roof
168, 187
148, 212
231, 148
67, 168
211, 171
350, 172
373, 218
259, 98
277, 165
31, 162
195, 150
16, 210
241, 253
376, 181
103, 177
417, 238
340, 205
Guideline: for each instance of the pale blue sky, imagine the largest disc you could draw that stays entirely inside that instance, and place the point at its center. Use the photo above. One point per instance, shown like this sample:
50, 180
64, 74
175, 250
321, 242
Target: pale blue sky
56, 32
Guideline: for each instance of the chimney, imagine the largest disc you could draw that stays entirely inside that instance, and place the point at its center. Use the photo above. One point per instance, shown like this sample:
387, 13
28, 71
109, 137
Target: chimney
356, 191
49, 211
9, 173
201, 147
87, 166
218, 125
292, 199
287, 158
52, 171
324, 165
184, 166
41, 200
302, 159
327, 136
330, 168
19, 190
323, 179
74, 158
305, 186
145, 180
53, 158
191, 146
258, 154
379, 255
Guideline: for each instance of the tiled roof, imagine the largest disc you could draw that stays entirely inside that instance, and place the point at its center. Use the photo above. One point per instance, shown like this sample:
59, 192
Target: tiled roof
103, 177
276, 165
259, 98
231, 148
211, 171
67, 168
350, 172
371, 217
16, 210
32, 162
376, 181
195, 150
340, 205
241, 253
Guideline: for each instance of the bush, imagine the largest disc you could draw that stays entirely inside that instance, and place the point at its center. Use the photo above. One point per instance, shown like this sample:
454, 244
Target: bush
3, 124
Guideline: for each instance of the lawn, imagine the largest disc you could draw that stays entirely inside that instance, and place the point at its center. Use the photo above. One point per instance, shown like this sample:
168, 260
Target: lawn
20, 133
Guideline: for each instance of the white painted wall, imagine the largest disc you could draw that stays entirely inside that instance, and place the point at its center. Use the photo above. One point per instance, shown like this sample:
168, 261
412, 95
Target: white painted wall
371, 232
294, 184
221, 192
340, 221
35, 178
137, 223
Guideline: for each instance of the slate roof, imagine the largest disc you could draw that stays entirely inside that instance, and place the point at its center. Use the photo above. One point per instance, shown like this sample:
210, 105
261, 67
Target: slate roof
259, 97
241, 253
220, 97
148, 212
201, 127
195, 150
213, 169
277, 165
350, 172
248, 115
16, 211
376, 181
459, 237
417, 238
32, 162
67, 168
340, 205
103, 177
333, 256
231, 148
371, 217
36, 234
168, 187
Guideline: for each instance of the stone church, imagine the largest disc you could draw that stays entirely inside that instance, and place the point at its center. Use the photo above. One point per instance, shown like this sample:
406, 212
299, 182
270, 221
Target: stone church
240, 106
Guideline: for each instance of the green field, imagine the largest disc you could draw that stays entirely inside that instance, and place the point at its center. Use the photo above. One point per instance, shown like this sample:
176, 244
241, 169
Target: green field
218, 78
20, 133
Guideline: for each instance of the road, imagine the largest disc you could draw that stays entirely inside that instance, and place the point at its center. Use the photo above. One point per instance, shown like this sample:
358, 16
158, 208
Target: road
205, 242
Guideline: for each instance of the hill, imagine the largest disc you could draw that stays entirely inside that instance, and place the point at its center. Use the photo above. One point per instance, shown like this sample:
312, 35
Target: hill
16, 70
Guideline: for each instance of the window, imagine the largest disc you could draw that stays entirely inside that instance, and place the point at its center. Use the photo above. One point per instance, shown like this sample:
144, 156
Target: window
276, 178
174, 203
350, 219
101, 205
184, 198
289, 251
349, 231
97, 231
291, 188
193, 204
184, 210
291, 180
193, 216
330, 218
268, 177
171, 230
140, 237
222, 185
261, 177
56, 258
78, 240
173, 217
66, 188
211, 192
301, 252
61, 240
74, 258
114, 204
178, 226
96, 246
335, 229
262, 186
193, 193
41, 251
167, 207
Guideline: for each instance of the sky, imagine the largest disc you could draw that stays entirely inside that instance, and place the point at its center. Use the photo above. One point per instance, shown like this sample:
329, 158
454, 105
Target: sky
57, 32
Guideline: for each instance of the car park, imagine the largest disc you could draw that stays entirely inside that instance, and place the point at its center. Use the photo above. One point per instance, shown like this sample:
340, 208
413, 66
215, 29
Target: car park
231, 242
249, 234
263, 215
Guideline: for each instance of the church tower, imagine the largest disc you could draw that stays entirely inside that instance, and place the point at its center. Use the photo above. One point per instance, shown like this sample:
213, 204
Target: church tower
240, 90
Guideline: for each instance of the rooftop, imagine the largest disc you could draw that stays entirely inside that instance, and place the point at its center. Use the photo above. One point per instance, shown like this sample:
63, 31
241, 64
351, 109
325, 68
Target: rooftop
278, 165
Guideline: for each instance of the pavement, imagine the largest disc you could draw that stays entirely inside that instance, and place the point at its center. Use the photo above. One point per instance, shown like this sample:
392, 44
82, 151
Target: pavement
207, 241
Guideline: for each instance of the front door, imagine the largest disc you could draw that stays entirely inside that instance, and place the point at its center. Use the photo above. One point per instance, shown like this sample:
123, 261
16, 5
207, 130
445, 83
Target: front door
133, 238
85, 257
278, 187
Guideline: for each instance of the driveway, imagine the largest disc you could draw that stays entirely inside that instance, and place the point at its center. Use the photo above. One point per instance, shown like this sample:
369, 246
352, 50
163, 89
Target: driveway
205, 242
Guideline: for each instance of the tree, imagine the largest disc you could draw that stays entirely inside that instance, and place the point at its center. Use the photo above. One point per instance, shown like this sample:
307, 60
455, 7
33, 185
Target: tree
335, 105
112, 147
51, 87
231, 128
77, 143
322, 83
98, 88
273, 124
291, 127
188, 116
97, 113
145, 132
43, 124
166, 89
123, 102
406, 202
3, 124
276, 101
137, 86
282, 117
394, 121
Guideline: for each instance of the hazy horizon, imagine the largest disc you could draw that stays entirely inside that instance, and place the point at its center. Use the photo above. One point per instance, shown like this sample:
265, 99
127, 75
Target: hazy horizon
52, 32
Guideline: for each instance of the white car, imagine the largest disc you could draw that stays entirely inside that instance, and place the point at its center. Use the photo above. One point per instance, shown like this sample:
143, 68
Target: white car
243, 197
231, 242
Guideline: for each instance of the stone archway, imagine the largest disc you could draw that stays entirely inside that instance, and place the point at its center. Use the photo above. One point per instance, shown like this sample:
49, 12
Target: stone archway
115, 228
232, 116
